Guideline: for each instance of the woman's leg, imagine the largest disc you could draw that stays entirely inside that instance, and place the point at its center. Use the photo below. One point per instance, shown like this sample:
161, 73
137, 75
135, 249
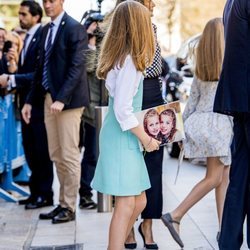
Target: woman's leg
126, 211
220, 194
147, 231
212, 179
131, 237
140, 203
154, 205
124, 208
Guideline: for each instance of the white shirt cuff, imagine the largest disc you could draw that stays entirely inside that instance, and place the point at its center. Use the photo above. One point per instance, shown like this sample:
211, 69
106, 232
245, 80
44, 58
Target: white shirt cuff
92, 47
12, 82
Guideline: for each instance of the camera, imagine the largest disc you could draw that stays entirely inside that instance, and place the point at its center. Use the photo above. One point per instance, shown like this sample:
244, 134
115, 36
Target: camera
94, 17
91, 16
7, 46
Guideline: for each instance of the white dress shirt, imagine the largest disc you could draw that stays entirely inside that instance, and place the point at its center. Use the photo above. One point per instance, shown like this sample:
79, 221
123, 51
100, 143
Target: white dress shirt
56, 23
122, 84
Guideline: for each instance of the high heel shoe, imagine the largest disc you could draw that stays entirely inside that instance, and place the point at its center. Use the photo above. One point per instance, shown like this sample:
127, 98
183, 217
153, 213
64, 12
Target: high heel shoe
147, 246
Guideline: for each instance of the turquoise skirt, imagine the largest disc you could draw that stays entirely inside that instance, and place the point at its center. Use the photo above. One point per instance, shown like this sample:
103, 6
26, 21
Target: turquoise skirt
121, 169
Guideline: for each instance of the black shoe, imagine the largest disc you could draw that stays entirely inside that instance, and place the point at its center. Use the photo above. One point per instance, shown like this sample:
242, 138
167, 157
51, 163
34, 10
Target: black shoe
51, 214
65, 215
147, 246
86, 202
39, 202
130, 245
26, 201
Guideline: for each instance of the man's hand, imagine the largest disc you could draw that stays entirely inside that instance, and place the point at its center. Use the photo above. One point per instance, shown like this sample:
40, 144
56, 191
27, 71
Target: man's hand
26, 113
92, 27
12, 55
92, 42
56, 107
4, 81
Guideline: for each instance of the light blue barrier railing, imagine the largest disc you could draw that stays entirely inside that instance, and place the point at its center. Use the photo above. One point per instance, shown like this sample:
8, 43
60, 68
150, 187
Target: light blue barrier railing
11, 151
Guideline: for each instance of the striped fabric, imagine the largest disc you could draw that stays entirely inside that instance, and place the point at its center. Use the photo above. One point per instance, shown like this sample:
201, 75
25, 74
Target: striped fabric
45, 81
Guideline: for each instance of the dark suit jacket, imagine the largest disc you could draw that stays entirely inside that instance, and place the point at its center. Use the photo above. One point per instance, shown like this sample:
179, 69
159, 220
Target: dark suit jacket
25, 76
66, 68
233, 93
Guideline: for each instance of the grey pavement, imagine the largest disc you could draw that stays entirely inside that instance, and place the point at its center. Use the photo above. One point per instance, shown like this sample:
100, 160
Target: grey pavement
20, 229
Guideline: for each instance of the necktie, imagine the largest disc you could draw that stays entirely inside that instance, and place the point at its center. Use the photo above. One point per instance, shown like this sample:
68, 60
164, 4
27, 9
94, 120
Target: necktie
25, 47
48, 49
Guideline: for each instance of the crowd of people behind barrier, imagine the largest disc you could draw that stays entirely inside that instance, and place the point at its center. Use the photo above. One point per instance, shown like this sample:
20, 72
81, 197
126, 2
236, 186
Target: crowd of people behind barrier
56, 74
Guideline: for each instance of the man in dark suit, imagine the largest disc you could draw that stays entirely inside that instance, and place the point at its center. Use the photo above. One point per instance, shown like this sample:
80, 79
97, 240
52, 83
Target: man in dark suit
232, 98
61, 74
33, 134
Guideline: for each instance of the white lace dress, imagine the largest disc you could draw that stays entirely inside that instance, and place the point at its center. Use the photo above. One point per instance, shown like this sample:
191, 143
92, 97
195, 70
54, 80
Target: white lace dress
208, 134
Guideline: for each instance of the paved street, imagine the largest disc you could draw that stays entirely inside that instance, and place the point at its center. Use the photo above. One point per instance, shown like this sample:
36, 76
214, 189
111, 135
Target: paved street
20, 229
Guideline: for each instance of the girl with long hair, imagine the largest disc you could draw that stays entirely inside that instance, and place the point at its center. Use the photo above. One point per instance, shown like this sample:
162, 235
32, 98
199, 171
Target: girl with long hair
127, 49
208, 134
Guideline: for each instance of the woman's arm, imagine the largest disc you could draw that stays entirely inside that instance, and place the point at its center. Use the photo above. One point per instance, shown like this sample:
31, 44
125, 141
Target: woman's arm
126, 86
149, 143
192, 100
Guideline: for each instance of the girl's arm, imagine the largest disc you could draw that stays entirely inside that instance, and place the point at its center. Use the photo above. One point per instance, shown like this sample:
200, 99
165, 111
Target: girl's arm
126, 86
192, 100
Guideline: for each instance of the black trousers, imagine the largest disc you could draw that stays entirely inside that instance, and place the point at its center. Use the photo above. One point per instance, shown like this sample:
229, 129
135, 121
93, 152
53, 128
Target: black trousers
153, 210
237, 203
89, 160
37, 156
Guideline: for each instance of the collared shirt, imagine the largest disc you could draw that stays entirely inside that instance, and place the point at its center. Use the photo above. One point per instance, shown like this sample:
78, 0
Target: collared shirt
31, 32
122, 84
56, 23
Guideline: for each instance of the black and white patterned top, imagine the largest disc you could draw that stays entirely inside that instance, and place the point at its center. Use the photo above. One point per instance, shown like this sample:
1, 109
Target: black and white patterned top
155, 68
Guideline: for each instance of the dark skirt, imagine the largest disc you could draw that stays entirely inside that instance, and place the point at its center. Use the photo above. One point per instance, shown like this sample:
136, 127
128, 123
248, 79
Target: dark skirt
151, 93
152, 97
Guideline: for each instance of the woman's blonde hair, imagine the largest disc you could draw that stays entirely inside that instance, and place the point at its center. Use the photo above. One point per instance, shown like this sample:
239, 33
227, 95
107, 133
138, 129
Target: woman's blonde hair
210, 51
130, 33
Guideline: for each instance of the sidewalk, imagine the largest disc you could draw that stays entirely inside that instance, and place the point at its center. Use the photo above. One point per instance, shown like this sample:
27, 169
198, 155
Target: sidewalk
20, 229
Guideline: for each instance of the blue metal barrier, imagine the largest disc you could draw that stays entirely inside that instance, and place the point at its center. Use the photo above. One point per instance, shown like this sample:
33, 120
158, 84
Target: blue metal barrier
2, 114
24, 172
10, 151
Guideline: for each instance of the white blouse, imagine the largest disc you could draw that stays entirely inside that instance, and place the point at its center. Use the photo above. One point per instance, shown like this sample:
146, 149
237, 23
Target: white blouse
122, 84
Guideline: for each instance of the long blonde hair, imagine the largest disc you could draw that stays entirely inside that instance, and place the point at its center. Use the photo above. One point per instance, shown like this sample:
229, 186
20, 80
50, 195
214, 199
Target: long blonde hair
210, 51
130, 33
